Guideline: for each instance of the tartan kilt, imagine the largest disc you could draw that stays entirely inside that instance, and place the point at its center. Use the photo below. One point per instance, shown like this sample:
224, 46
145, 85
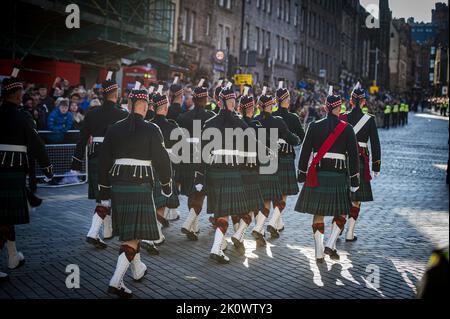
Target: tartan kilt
161, 200
134, 213
13, 198
250, 179
288, 176
186, 174
364, 193
226, 192
93, 177
270, 187
330, 198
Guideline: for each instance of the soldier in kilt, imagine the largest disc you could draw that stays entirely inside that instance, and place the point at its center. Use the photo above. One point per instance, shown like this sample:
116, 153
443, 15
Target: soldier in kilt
175, 98
286, 169
250, 176
270, 184
162, 203
224, 184
365, 129
132, 150
92, 134
17, 139
327, 188
191, 170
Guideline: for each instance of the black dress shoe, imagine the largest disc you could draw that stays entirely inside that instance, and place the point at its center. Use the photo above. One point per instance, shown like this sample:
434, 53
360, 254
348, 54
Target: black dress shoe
120, 292
33, 199
190, 235
352, 240
260, 240
96, 242
332, 253
221, 259
151, 249
273, 232
238, 245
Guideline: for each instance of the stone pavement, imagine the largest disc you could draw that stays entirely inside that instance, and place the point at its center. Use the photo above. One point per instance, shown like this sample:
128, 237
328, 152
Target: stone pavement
396, 235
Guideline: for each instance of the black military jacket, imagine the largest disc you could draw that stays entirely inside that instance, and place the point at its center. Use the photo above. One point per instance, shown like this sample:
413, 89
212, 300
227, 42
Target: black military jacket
166, 126
175, 110
293, 123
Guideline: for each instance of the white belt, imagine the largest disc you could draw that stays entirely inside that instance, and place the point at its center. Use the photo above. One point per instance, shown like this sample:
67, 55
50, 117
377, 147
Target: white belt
234, 153
362, 144
281, 141
13, 148
98, 139
334, 156
194, 140
132, 162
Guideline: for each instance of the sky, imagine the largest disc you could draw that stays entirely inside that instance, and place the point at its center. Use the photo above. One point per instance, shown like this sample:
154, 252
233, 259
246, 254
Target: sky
419, 9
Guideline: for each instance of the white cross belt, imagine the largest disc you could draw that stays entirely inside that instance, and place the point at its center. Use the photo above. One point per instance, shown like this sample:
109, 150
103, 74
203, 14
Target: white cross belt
132, 162
337, 156
13, 148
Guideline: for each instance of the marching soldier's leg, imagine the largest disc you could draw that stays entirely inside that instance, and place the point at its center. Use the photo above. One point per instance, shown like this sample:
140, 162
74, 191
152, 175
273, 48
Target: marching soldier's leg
216, 251
160, 216
138, 268
318, 233
235, 220
238, 237
280, 224
336, 229
101, 211
15, 258
195, 203
258, 230
272, 226
127, 253
107, 227
352, 218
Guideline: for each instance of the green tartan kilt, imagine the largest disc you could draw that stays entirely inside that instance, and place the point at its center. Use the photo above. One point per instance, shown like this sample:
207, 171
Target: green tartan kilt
364, 193
288, 176
270, 187
226, 192
161, 200
13, 198
185, 177
330, 198
250, 178
93, 177
134, 213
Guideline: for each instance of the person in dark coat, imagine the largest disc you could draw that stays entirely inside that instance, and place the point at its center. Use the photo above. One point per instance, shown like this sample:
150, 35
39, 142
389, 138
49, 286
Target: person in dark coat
17, 139
332, 175
92, 135
175, 98
287, 170
132, 150
191, 173
366, 130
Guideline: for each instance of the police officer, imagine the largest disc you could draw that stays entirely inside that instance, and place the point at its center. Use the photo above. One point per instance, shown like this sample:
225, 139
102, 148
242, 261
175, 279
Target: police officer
387, 116
395, 111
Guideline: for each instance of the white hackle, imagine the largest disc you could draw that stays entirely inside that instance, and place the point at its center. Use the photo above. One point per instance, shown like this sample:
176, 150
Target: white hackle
246, 90
137, 85
200, 83
264, 90
160, 90
14, 72
330, 90
229, 85
151, 89
219, 84
280, 84
176, 79
109, 75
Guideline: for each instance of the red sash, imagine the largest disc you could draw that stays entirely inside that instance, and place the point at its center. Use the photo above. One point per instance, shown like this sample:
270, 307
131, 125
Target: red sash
363, 154
311, 178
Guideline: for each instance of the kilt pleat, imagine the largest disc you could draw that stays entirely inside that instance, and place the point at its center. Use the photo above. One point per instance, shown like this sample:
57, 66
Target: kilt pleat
288, 176
270, 187
93, 178
330, 198
13, 198
364, 192
226, 193
134, 213
253, 193
185, 176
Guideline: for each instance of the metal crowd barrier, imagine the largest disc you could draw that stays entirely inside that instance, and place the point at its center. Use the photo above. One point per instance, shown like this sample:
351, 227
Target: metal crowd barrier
61, 157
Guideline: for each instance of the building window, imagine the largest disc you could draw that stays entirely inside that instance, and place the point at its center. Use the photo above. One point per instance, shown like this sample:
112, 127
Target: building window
258, 35
277, 51
294, 54
296, 15
269, 6
192, 27
258, 4
246, 34
219, 37
184, 25
287, 11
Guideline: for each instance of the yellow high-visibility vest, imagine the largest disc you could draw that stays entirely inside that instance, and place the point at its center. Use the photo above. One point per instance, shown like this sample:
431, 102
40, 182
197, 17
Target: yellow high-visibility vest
343, 108
365, 110
387, 110
395, 110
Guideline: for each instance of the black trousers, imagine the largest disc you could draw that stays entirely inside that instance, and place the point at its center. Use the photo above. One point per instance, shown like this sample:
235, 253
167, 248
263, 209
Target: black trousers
387, 120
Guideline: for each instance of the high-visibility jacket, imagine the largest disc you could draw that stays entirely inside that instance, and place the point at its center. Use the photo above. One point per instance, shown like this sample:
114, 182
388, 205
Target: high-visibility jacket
387, 110
395, 109
406, 108
343, 108
365, 109
402, 108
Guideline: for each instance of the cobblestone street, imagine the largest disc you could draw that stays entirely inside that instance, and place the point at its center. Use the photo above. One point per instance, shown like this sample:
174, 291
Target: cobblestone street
396, 235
